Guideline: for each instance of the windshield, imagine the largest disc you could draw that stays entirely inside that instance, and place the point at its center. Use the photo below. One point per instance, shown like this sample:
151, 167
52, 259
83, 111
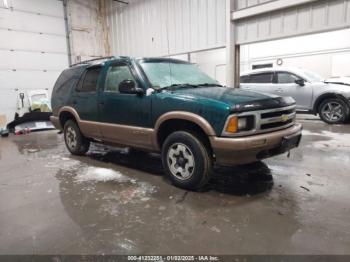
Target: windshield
313, 77
164, 74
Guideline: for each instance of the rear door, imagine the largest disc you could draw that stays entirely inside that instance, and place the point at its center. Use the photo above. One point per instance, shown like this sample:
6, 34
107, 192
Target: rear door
84, 99
286, 86
259, 82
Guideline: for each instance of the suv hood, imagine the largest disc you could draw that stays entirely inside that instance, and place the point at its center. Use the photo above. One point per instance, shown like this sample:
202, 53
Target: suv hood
235, 98
339, 81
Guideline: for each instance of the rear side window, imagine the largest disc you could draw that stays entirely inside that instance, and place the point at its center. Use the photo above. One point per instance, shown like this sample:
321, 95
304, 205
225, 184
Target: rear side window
263, 78
286, 78
66, 80
89, 81
244, 79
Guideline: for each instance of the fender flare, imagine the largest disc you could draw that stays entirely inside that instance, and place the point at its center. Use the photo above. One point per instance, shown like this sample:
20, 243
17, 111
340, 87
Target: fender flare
182, 115
69, 110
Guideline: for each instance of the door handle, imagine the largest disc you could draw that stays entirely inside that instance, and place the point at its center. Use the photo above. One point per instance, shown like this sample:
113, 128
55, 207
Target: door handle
280, 90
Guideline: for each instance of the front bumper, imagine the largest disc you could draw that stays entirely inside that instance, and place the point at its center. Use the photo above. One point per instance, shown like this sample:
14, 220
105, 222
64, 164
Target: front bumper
244, 150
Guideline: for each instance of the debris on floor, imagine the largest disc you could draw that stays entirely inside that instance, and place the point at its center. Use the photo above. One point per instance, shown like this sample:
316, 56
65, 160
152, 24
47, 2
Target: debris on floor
3, 130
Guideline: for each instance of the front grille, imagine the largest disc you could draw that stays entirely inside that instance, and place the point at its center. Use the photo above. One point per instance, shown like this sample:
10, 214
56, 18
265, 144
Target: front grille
275, 119
276, 125
276, 114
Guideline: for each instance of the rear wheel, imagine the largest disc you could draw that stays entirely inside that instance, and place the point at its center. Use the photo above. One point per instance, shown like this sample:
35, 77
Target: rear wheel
333, 111
76, 143
186, 160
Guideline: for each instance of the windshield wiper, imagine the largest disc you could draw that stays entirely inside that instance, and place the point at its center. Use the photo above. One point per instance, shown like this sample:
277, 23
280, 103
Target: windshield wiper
208, 84
175, 86
188, 85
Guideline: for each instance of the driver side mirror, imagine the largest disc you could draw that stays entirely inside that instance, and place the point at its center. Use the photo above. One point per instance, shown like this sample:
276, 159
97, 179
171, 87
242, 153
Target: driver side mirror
300, 82
129, 87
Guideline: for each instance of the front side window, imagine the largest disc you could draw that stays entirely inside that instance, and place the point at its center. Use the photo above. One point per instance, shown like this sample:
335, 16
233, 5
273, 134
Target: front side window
115, 75
263, 78
286, 78
164, 73
89, 83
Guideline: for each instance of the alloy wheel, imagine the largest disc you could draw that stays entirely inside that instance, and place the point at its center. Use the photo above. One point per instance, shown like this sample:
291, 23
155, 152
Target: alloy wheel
332, 111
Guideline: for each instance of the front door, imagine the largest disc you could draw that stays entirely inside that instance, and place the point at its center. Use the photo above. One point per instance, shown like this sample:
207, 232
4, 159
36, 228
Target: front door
125, 118
286, 86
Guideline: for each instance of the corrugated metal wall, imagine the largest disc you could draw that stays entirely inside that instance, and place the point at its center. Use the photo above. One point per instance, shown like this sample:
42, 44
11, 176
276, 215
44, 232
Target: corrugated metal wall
241, 4
314, 17
165, 27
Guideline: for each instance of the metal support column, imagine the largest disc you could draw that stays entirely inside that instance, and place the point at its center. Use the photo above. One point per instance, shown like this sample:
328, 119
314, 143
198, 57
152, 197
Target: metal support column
65, 11
232, 50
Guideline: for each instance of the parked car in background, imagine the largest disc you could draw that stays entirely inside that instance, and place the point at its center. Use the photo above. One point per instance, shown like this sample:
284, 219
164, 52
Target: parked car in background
312, 93
171, 107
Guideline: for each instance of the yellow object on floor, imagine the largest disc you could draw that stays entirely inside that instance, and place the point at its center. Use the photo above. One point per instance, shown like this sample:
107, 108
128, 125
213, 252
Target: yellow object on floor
43, 107
3, 121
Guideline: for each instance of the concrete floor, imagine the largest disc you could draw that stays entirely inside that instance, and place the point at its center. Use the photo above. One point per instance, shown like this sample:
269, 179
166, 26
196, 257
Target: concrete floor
113, 203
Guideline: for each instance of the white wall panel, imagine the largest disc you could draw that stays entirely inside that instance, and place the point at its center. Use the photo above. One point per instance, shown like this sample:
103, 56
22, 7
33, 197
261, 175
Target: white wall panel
165, 27
45, 7
340, 65
32, 60
32, 42
33, 49
26, 80
314, 17
314, 52
23, 21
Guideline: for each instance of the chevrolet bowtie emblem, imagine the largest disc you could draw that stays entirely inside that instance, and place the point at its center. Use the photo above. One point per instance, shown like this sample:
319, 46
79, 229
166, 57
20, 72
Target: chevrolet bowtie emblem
284, 118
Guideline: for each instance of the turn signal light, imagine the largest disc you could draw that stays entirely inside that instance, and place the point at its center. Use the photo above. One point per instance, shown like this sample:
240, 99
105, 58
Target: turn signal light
232, 125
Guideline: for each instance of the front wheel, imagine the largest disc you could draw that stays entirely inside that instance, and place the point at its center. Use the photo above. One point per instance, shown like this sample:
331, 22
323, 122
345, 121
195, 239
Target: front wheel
333, 111
186, 160
76, 143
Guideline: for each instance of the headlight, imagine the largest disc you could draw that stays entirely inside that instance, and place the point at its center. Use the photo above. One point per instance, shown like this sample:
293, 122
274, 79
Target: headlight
242, 123
237, 124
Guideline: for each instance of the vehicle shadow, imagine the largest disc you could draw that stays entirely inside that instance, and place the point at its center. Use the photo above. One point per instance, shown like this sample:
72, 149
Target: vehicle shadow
251, 179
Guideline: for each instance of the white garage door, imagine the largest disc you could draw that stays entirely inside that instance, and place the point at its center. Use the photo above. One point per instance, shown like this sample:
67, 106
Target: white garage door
33, 48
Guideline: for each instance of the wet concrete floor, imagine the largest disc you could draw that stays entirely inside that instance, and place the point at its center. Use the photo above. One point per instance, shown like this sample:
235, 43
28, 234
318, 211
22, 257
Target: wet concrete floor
111, 202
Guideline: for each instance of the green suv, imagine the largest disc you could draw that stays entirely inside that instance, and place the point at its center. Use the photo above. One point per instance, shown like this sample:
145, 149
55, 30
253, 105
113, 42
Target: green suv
173, 108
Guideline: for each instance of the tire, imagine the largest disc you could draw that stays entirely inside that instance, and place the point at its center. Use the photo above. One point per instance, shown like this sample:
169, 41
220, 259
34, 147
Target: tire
186, 160
333, 111
76, 143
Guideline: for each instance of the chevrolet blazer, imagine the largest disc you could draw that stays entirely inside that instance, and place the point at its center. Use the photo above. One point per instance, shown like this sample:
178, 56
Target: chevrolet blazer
173, 108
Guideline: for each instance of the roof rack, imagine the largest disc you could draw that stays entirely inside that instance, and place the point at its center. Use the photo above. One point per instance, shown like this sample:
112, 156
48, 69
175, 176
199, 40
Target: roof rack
93, 60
